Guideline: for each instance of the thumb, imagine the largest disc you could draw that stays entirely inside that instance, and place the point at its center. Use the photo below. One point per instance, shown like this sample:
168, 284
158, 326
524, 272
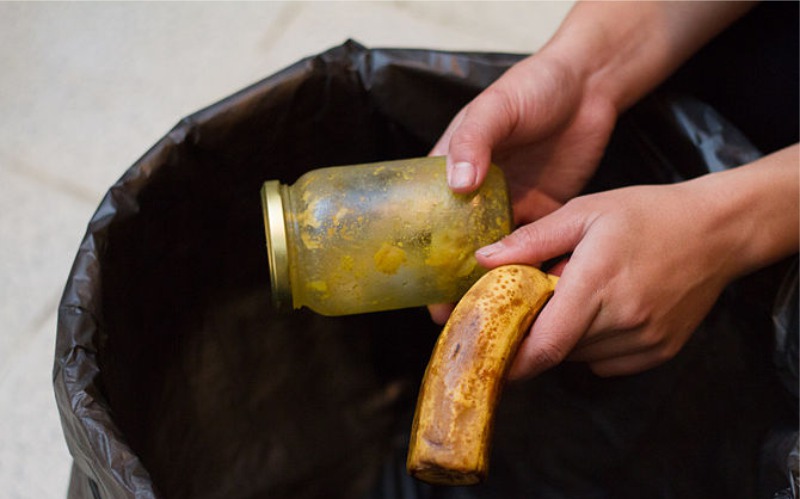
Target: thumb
552, 236
485, 122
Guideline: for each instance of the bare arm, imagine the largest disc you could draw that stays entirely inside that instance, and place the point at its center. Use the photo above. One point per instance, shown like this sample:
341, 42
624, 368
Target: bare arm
648, 262
623, 303
628, 48
566, 98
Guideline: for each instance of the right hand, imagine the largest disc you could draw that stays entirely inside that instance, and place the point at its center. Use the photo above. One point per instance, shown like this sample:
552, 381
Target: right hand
541, 124
547, 120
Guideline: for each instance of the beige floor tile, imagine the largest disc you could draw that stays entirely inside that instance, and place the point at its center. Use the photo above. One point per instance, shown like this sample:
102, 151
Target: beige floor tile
508, 26
460, 25
89, 87
34, 461
40, 228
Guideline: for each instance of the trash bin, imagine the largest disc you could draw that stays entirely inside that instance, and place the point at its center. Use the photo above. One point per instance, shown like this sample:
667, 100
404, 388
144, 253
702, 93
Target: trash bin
175, 378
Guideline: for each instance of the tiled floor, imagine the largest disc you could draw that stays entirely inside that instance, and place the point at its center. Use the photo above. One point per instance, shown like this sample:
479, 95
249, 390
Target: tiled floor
85, 88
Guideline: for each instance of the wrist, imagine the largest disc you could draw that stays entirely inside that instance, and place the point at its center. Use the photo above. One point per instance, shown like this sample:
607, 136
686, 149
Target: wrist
623, 50
753, 211
605, 55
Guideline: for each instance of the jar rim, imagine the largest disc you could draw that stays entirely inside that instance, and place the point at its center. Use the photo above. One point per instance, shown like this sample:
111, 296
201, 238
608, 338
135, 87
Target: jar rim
277, 247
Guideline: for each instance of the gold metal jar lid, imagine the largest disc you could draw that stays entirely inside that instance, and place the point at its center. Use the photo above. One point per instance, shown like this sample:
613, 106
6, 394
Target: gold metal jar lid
277, 248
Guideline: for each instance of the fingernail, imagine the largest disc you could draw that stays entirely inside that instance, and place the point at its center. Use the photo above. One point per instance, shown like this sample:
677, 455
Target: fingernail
491, 249
462, 175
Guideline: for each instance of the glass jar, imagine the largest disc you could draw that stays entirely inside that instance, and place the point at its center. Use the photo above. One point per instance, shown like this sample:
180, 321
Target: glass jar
379, 236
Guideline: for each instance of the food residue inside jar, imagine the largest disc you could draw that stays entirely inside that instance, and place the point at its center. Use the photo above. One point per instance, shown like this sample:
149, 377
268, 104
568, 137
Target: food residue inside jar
320, 287
389, 258
451, 253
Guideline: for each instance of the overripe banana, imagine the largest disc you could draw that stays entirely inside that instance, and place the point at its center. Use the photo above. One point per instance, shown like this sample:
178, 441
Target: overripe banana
452, 428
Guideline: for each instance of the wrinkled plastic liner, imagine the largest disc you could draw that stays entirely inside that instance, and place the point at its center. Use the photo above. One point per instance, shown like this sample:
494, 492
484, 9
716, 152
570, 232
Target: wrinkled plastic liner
174, 378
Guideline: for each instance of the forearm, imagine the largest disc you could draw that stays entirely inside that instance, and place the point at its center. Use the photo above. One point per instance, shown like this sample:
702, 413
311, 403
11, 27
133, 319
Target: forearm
756, 210
624, 49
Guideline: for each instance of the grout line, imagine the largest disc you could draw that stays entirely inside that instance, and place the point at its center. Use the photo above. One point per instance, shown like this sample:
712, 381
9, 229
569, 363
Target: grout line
21, 168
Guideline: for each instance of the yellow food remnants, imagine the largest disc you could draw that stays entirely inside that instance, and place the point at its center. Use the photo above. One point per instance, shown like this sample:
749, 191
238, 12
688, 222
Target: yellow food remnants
451, 253
318, 286
310, 241
346, 263
340, 215
389, 258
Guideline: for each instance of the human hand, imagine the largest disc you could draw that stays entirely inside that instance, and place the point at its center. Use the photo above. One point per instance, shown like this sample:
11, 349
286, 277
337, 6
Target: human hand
546, 122
645, 267
647, 263
545, 129
541, 124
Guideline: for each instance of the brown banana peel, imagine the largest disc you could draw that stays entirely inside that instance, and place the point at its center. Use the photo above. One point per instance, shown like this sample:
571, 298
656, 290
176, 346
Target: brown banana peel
452, 429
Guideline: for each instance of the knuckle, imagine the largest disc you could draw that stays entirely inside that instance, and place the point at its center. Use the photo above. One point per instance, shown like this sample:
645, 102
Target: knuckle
525, 236
659, 344
539, 238
603, 370
666, 350
548, 354
466, 135
498, 99
634, 317
579, 204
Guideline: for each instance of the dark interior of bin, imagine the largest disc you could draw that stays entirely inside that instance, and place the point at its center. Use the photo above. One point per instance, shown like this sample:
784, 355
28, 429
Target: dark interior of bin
222, 397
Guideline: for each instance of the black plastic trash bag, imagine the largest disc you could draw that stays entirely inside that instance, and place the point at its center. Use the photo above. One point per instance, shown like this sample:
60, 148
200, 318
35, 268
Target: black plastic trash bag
174, 378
